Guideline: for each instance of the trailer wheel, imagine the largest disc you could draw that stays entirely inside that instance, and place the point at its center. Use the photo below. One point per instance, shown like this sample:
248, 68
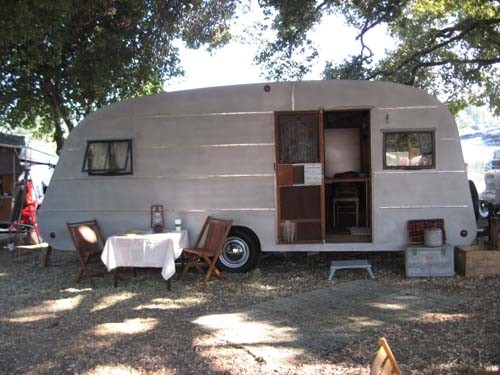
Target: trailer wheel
240, 252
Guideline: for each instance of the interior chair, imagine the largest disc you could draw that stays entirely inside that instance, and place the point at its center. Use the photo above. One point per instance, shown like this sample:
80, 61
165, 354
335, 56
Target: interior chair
346, 202
89, 242
213, 234
384, 362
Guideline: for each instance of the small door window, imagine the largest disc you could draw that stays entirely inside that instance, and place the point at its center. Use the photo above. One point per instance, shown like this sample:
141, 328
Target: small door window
108, 157
409, 150
298, 138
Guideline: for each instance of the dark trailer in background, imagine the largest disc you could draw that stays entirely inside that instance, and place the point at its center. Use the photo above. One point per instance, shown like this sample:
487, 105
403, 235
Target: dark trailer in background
25, 173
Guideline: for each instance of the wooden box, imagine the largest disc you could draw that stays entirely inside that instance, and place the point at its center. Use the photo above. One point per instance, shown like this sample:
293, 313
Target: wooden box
471, 261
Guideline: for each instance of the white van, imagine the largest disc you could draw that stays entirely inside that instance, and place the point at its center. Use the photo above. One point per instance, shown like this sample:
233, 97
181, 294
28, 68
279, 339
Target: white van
299, 166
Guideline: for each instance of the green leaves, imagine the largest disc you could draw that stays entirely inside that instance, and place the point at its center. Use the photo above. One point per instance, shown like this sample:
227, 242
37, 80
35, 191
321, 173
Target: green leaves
61, 59
450, 48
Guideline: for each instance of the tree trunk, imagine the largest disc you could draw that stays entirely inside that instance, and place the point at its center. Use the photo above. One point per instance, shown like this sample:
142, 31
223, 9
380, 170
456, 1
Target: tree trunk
58, 113
58, 136
58, 133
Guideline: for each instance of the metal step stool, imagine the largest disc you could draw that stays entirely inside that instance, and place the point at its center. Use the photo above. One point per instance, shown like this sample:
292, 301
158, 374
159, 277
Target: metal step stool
350, 264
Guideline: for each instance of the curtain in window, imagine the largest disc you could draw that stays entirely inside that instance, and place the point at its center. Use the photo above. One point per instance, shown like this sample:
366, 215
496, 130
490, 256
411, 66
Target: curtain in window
108, 157
298, 138
409, 149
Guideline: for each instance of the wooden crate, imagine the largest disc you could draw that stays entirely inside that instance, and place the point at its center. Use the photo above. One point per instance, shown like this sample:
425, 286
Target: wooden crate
471, 261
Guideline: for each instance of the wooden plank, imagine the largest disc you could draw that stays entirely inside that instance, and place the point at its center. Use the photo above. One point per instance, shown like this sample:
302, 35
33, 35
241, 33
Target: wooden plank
309, 231
494, 224
8, 183
300, 202
278, 190
322, 161
284, 174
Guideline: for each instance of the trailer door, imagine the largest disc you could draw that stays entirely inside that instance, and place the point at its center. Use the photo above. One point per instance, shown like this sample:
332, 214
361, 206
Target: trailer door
299, 177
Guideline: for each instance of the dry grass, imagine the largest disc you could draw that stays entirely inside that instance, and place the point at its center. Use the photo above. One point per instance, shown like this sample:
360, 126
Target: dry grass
50, 325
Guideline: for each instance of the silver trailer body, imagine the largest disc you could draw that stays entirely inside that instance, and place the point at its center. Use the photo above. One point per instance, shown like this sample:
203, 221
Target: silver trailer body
212, 152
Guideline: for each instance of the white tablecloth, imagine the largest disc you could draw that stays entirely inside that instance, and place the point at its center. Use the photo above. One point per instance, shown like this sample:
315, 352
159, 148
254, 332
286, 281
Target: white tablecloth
146, 250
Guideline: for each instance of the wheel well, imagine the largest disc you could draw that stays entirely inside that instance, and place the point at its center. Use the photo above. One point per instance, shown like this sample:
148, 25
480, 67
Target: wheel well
248, 231
475, 198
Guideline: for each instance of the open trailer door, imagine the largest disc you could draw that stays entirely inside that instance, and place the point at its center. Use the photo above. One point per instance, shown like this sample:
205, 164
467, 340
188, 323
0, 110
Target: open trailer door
299, 177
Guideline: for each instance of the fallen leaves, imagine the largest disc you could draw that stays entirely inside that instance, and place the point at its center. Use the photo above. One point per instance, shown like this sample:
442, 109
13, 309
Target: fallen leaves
160, 339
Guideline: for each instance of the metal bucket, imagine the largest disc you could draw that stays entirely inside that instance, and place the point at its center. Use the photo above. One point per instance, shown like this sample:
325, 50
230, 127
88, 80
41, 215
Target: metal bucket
433, 237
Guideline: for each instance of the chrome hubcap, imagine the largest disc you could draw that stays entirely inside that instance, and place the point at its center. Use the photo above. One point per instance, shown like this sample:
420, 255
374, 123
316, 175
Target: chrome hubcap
235, 252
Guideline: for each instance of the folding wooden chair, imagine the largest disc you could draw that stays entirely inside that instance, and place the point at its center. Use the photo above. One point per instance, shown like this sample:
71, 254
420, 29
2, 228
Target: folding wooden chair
384, 362
214, 233
89, 241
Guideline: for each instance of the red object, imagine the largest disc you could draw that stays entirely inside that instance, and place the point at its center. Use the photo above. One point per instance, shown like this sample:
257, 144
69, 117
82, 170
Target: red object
29, 211
28, 215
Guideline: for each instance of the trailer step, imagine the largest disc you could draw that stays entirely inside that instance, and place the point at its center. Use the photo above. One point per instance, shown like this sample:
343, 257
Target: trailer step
350, 264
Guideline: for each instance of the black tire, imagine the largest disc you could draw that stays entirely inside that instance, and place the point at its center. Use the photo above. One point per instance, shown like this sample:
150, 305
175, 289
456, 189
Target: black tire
475, 198
240, 251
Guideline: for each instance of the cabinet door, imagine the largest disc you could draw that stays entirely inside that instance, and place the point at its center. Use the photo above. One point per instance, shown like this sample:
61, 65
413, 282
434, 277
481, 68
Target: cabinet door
299, 177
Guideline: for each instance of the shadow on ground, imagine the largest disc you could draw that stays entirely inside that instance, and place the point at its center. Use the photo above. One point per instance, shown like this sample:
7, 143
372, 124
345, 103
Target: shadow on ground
283, 317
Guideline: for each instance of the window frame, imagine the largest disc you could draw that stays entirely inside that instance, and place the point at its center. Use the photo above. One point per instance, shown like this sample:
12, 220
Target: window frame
110, 172
432, 132
279, 119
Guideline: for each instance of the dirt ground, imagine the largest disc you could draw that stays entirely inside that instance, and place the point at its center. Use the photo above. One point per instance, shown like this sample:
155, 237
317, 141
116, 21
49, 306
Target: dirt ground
51, 325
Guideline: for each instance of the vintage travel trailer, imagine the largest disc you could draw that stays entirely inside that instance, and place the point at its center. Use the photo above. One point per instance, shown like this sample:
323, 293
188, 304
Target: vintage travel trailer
299, 166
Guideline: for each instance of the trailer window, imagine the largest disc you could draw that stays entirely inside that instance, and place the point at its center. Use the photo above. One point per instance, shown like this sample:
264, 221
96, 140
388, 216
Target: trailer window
409, 150
298, 138
108, 157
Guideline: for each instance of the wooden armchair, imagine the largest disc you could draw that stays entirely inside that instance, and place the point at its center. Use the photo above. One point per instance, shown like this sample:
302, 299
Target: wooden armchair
214, 233
89, 241
384, 362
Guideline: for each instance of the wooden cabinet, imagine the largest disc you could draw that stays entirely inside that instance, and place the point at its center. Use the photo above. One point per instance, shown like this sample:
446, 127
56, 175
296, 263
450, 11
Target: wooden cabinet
299, 177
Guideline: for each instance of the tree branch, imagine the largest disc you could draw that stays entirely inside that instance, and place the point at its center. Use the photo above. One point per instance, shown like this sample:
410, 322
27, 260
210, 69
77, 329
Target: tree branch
56, 102
295, 37
479, 62
58, 112
384, 17
464, 31
361, 38
58, 133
